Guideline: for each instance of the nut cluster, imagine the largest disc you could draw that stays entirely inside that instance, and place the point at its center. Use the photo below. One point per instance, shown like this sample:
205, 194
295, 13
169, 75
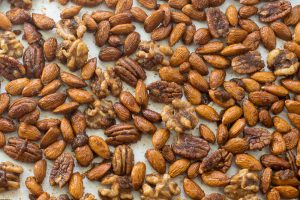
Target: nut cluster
260, 105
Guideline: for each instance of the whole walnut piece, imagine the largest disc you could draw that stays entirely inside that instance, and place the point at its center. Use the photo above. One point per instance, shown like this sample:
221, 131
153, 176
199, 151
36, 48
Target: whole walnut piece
9, 176
247, 63
74, 53
219, 160
242, 184
273, 11
105, 83
218, 24
123, 160
71, 29
152, 56
120, 187
10, 68
179, 116
191, 147
100, 114
122, 134
159, 187
26, 4
22, 150
10, 45
257, 138
62, 170
283, 62
164, 92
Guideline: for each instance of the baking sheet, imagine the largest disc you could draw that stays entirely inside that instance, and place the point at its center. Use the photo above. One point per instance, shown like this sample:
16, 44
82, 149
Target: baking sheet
52, 9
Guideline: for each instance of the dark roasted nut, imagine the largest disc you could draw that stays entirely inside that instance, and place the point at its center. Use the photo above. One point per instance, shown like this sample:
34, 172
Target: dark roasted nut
274, 162
98, 171
129, 71
9, 176
151, 115
75, 53
26, 4
9, 45
191, 147
22, 150
42, 22
34, 61
4, 102
110, 54
242, 184
52, 101
247, 63
21, 106
100, 114
219, 160
257, 138
151, 55
62, 170
79, 141
285, 177
274, 10
78, 122
283, 62
49, 47
123, 160
164, 92
70, 29
31, 34
89, 3
122, 134
105, 83
217, 22
168, 153
18, 16
10, 68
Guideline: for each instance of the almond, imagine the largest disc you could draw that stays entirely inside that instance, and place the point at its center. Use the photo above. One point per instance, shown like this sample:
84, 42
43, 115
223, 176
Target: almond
281, 124
150, 4
246, 161
236, 145
122, 112
120, 18
277, 144
4, 102
293, 17
101, 15
292, 85
237, 92
32, 88
156, 160
55, 150
70, 12
210, 47
232, 114
66, 108
128, 100
5, 23
16, 86
139, 14
138, 175
29, 132
144, 125
234, 49
80, 96
192, 94
261, 98
273, 195
251, 85
179, 17
177, 33
49, 47
110, 54
287, 192
50, 137
193, 13
102, 33
33, 186
277, 90
281, 30
161, 32
188, 36
292, 106
215, 179
250, 112
252, 41
171, 74
207, 134
192, 189
78, 122
237, 128
293, 47
193, 170
216, 78
122, 29
222, 134
66, 130
263, 77
84, 155
99, 146
46, 124
131, 43
72, 80
97, 172
39, 170
236, 35
52, 87
180, 55
247, 11
141, 94
198, 64
217, 61
268, 37
291, 138
296, 36
160, 137
198, 81
43, 22
202, 36
207, 112
123, 5
178, 167
88, 70
232, 15
153, 20
50, 72
76, 188
213, 94
52, 101
177, 3
248, 25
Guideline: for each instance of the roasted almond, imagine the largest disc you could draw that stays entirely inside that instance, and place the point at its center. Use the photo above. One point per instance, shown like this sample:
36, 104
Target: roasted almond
16, 86
128, 100
281, 124
281, 30
192, 189
192, 94
66, 130
198, 81
80, 96
232, 15
50, 72
153, 20
122, 112
207, 112
88, 70
143, 124
54, 150
215, 179
217, 61
39, 170
32, 88
131, 43
237, 127
70, 12
138, 175
177, 33
4, 102
268, 37
178, 167
29, 132
141, 94
50, 137
51, 88
33, 186
43, 22
210, 48
171, 74
97, 172
232, 114
139, 14
76, 188
5, 23
156, 160
247, 161
206, 133
160, 137
250, 112
99, 146
236, 145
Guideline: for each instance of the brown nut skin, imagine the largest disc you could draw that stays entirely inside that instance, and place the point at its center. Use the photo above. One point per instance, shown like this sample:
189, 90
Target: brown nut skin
192, 189
137, 175
39, 170
84, 155
76, 188
33, 186
156, 160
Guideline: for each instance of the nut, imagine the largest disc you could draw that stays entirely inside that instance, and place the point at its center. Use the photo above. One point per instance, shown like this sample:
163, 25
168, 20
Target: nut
123, 160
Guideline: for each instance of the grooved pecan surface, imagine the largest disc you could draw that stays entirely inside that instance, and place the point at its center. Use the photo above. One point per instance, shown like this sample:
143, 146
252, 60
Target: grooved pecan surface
34, 61
122, 134
105, 83
123, 160
191, 147
247, 63
164, 92
10, 68
129, 71
257, 138
22, 150
272, 11
9, 176
220, 160
218, 24
62, 170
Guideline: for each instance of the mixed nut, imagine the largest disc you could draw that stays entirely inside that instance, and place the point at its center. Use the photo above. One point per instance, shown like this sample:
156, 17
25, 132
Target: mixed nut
259, 109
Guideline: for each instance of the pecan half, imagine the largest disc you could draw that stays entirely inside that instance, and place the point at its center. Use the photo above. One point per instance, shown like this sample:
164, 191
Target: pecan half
164, 92
272, 11
220, 160
62, 170
9, 176
123, 160
191, 147
10, 68
34, 61
122, 134
22, 150
257, 138
218, 24
129, 71
247, 63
